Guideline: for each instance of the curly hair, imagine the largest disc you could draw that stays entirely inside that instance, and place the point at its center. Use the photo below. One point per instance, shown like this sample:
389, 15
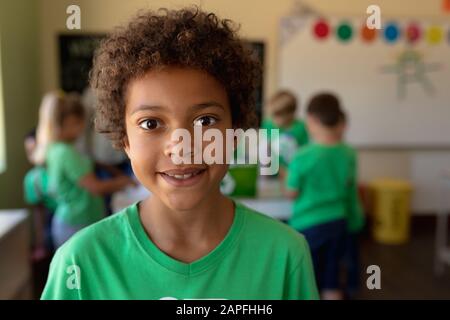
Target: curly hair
183, 38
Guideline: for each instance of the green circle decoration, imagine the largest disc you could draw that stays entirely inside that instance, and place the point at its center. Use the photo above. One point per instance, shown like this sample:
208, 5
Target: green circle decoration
344, 32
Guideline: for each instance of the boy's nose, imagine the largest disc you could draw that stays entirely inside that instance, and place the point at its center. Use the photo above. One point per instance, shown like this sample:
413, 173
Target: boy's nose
183, 150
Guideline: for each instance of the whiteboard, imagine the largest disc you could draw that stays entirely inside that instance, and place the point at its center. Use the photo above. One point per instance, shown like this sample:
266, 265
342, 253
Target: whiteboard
366, 78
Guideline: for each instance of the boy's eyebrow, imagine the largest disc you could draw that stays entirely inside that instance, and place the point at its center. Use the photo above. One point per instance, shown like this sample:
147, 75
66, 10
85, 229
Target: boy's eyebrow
207, 105
204, 105
144, 107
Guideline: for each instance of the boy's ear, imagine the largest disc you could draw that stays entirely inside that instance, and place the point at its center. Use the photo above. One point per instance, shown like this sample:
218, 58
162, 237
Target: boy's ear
126, 146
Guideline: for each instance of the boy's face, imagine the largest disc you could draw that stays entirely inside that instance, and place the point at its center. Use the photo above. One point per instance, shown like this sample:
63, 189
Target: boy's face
156, 105
72, 128
283, 120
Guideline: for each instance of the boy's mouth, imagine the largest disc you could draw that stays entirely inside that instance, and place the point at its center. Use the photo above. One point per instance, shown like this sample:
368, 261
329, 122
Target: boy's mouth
182, 177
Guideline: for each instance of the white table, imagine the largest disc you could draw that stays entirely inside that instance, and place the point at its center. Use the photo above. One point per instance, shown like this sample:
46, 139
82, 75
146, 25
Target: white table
269, 200
15, 270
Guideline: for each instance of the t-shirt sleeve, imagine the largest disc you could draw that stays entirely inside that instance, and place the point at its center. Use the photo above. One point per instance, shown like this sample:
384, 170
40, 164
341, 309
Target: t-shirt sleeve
32, 193
75, 165
304, 135
64, 279
301, 281
295, 170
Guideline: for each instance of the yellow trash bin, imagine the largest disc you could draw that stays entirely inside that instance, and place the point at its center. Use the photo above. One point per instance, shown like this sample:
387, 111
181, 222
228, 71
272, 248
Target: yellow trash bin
391, 210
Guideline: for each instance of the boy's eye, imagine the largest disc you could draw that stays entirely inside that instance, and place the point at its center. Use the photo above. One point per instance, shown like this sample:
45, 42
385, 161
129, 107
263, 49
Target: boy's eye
149, 124
205, 121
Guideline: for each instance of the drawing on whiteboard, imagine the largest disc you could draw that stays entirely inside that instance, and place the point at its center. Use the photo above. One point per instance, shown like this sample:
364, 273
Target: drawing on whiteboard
411, 68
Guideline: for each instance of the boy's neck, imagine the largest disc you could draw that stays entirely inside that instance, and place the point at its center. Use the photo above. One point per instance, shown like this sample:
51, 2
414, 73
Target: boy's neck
328, 139
183, 235
67, 141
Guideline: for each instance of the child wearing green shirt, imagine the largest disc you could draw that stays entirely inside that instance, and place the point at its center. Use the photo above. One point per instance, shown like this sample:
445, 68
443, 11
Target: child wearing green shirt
282, 109
71, 179
167, 70
322, 180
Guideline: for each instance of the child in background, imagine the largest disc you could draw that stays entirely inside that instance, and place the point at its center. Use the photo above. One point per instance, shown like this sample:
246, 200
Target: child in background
71, 178
282, 109
351, 253
322, 180
169, 70
37, 195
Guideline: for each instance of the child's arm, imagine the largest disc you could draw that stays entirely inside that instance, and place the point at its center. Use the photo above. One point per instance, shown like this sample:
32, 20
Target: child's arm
102, 187
291, 194
293, 178
111, 169
81, 172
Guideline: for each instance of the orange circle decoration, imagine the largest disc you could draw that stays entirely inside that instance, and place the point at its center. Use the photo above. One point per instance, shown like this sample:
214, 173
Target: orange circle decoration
321, 29
368, 35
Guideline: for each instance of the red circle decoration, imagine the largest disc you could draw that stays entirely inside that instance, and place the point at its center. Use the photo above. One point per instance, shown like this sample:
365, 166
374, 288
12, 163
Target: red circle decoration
413, 33
321, 29
368, 35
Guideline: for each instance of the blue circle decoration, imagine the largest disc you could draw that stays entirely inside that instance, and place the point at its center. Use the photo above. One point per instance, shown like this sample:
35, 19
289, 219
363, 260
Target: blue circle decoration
392, 32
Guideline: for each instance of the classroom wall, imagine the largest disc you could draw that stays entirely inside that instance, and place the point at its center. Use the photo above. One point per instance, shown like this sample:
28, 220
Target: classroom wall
19, 81
259, 19
422, 167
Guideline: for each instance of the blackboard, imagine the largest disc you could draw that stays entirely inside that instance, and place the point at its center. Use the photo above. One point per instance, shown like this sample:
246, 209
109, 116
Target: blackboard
75, 57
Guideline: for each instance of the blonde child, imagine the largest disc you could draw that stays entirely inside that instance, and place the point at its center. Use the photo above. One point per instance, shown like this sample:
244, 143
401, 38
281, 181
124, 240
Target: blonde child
281, 110
71, 179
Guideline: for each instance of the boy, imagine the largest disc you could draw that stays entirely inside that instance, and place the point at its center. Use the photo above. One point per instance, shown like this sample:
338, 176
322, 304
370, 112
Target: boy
165, 71
322, 180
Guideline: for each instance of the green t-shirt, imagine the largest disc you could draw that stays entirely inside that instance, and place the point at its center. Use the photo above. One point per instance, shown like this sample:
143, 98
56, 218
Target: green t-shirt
36, 188
291, 138
75, 205
259, 258
326, 178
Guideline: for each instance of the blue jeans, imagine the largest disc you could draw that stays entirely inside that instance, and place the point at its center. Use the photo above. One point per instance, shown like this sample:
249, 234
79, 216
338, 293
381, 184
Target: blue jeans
327, 245
351, 263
